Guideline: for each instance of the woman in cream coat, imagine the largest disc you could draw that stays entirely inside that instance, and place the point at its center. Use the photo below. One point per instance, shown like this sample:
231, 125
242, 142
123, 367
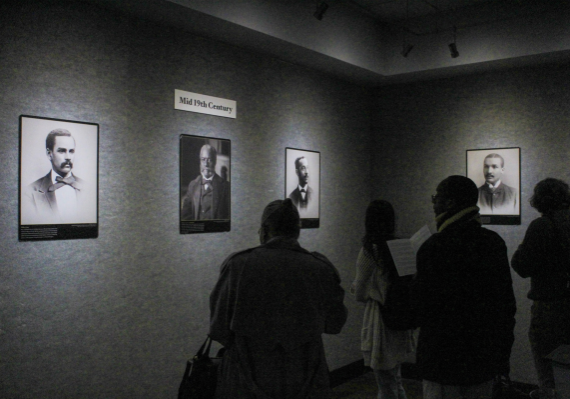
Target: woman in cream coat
384, 350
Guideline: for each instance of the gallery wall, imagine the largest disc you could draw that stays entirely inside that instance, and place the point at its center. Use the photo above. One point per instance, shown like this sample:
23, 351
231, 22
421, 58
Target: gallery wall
421, 133
117, 316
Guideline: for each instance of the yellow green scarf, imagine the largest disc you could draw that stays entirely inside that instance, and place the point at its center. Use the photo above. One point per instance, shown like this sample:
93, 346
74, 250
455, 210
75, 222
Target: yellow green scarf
471, 213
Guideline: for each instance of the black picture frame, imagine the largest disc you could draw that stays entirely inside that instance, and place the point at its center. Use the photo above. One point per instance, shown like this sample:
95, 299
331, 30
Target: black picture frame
310, 207
500, 205
210, 213
52, 211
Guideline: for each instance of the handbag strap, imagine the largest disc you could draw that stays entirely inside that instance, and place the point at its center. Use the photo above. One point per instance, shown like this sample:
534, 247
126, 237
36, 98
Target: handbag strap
205, 348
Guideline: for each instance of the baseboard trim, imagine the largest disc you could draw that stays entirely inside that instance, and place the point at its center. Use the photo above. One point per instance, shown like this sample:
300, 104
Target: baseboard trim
409, 371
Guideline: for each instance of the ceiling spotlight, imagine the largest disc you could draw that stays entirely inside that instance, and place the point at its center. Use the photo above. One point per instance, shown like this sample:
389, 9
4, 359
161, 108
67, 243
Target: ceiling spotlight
320, 11
406, 46
406, 50
453, 46
453, 50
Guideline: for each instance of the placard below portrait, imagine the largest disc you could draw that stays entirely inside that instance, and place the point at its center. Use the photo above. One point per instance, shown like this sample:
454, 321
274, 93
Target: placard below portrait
58, 188
496, 172
303, 184
205, 184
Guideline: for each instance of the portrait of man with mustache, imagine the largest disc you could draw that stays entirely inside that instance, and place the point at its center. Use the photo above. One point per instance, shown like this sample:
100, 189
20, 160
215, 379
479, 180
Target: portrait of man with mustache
55, 197
495, 197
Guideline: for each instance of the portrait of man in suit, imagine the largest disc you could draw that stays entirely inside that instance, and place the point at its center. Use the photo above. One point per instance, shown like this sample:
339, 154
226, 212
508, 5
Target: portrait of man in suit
56, 197
495, 197
208, 195
302, 182
301, 195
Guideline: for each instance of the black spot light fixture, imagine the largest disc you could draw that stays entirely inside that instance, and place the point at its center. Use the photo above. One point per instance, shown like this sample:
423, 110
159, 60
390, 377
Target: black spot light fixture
406, 49
453, 46
406, 45
322, 7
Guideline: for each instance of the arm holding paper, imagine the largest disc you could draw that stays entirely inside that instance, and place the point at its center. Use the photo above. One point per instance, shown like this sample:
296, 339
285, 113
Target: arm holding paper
404, 251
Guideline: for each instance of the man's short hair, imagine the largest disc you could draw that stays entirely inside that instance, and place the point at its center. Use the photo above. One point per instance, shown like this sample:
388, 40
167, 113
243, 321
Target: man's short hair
50, 139
550, 195
496, 156
297, 162
460, 189
281, 217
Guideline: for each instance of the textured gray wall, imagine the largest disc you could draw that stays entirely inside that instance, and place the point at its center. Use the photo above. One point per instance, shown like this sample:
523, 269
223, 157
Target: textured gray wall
117, 316
423, 130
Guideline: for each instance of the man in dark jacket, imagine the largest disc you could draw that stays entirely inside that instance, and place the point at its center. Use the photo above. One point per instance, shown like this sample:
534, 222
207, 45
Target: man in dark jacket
269, 309
464, 298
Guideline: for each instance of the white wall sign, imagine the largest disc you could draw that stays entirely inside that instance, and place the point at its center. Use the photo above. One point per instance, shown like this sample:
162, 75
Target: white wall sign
193, 102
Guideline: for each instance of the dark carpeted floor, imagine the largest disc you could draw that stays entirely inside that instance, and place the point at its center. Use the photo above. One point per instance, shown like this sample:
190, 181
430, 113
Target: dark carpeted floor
364, 387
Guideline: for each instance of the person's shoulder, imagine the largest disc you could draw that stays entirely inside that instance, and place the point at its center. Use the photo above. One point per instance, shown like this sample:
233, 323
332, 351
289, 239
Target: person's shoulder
509, 189
37, 185
321, 257
493, 235
235, 257
195, 181
81, 182
540, 223
323, 264
433, 241
309, 189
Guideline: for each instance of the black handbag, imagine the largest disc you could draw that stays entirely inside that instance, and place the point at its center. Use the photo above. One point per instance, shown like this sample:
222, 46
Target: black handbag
201, 374
503, 388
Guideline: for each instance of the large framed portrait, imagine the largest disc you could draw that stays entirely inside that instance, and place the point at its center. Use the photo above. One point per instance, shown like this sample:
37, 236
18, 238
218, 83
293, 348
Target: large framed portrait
497, 174
303, 184
205, 182
58, 190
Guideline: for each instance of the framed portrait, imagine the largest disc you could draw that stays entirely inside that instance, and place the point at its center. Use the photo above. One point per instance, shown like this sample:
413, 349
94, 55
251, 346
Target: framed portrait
59, 169
303, 184
205, 184
497, 174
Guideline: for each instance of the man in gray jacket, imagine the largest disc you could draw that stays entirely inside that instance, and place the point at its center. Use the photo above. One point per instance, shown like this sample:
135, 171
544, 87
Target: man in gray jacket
269, 308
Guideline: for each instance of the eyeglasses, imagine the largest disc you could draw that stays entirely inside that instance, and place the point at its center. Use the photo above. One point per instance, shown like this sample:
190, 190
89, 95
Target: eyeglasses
434, 197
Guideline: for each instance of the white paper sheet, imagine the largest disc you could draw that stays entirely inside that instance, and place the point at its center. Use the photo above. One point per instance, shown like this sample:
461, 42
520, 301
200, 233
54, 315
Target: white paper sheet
404, 251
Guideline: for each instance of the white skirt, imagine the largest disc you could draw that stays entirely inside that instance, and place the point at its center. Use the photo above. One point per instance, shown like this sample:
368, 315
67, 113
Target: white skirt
384, 349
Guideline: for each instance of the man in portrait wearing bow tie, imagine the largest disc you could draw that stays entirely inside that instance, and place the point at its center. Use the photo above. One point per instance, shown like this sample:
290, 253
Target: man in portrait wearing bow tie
208, 195
302, 194
495, 197
55, 198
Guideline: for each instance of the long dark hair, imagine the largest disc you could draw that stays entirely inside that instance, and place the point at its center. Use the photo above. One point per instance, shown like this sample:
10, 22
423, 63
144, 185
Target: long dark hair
380, 225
